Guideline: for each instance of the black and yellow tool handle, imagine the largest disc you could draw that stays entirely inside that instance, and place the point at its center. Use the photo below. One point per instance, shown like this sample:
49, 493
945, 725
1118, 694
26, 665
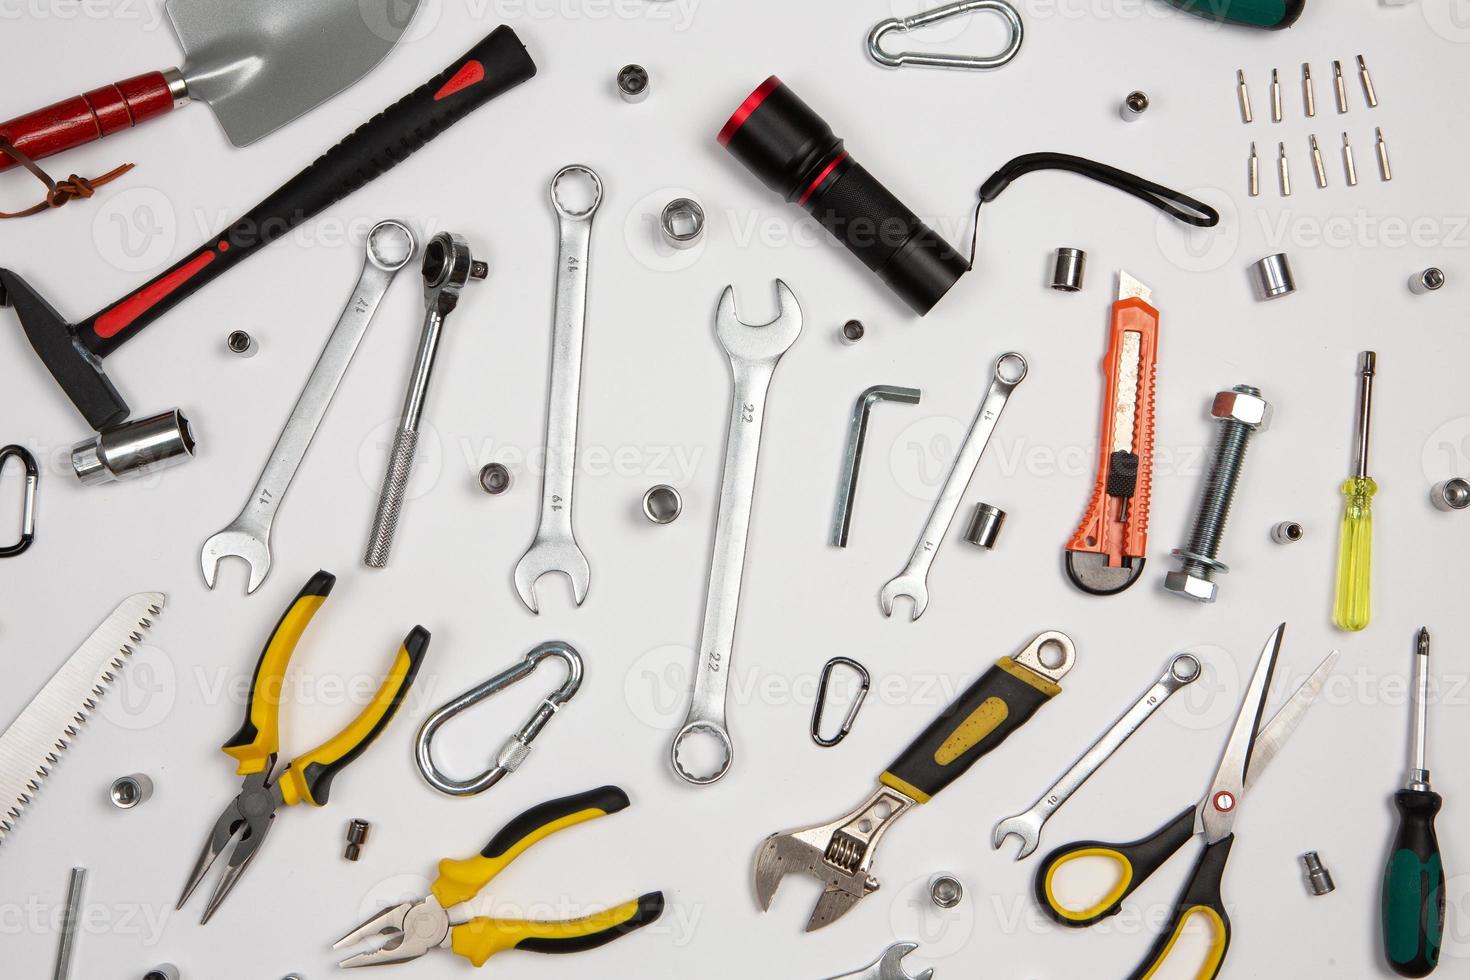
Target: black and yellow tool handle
481, 938
1135, 862
1270, 14
1201, 899
309, 777
259, 739
1001, 701
1413, 888
460, 881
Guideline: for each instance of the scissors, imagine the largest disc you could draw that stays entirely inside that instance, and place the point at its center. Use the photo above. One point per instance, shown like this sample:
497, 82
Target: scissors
1213, 819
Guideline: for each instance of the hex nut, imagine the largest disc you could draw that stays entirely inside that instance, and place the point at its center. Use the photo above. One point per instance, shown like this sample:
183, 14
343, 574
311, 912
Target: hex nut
1248, 409
633, 83
128, 792
945, 891
662, 504
1191, 586
852, 331
494, 479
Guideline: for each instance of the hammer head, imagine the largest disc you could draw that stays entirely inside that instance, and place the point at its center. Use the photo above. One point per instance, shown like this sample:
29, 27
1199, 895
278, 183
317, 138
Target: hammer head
75, 368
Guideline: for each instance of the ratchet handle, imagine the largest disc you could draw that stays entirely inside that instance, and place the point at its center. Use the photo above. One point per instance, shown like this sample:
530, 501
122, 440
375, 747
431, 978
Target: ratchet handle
256, 743
460, 881
495, 65
1270, 14
88, 117
1116, 523
991, 709
309, 777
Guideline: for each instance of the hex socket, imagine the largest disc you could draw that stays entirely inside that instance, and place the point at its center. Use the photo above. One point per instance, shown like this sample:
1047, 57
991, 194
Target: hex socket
134, 449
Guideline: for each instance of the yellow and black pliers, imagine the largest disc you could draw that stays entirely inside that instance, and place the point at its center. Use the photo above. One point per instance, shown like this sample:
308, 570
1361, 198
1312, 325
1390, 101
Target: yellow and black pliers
411, 929
308, 778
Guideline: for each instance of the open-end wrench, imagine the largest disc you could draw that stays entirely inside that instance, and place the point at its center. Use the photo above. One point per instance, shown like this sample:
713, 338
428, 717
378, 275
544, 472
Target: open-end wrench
390, 247
889, 966
554, 549
1182, 671
913, 581
754, 351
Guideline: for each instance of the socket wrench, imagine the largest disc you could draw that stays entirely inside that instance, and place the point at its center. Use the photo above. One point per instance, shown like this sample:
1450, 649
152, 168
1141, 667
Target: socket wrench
390, 246
754, 352
554, 548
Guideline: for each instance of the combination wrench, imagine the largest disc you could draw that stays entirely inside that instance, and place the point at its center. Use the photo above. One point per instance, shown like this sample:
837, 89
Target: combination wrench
390, 247
889, 966
913, 581
754, 351
554, 548
1182, 671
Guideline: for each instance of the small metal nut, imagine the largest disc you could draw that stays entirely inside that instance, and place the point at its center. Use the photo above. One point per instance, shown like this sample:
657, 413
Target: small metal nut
1428, 281
985, 526
1450, 495
1287, 532
682, 222
633, 83
945, 891
1244, 407
128, 792
1273, 276
1135, 104
167, 971
852, 331
494, 479
1191, 586
662, 504
1068, 272
242, 344
1319, 879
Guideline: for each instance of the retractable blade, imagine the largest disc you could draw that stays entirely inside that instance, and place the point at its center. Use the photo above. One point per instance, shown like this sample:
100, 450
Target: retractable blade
34, 742
1106, 554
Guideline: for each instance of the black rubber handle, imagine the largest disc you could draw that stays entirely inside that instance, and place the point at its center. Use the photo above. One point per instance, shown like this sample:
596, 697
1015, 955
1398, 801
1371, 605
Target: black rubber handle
1200, 897
1136, 861
498, 63
1001, 701
1413, 888
605, 799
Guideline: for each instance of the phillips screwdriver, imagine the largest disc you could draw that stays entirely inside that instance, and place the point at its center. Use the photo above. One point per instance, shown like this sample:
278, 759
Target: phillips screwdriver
1413, 883
1355, 554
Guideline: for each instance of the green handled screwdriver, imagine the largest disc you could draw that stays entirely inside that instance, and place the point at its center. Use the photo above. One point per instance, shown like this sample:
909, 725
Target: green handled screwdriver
1270, 14
1413, 884
1353, 606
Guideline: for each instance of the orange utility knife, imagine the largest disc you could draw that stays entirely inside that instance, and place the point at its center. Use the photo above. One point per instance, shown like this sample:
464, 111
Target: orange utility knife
1106, 554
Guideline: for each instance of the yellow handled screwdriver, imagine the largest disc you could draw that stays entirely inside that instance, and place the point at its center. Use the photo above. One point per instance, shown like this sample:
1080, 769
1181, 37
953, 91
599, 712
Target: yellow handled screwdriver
1355, 554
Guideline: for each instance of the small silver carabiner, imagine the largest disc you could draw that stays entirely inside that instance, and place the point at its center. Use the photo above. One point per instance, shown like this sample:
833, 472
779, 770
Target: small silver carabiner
32, 476
964, 62
864, 682
518, 746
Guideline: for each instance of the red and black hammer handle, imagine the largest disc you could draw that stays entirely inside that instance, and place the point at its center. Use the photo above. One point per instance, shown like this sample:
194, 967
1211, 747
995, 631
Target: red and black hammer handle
498, 63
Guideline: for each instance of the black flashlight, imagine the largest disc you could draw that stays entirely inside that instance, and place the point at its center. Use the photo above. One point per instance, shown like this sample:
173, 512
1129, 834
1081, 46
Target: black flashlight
794, 153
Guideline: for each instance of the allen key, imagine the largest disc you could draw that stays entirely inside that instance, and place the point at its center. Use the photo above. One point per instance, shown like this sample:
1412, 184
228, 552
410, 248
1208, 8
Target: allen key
853, 459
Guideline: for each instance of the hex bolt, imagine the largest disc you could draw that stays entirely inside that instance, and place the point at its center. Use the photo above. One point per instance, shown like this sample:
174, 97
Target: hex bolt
357, 835
1241, 412
1319, 879
945, 890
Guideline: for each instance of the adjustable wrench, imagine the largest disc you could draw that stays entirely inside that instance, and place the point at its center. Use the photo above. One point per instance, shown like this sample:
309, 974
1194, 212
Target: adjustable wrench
1182, 671
889, 966
913, 581
754, 352
554, 549
390, 247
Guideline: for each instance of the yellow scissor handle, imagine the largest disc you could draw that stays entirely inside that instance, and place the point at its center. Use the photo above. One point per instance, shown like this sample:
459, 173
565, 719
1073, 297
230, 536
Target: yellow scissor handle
309, 777
481, 938
1135, 862
460, 881
259, 739
1201, 899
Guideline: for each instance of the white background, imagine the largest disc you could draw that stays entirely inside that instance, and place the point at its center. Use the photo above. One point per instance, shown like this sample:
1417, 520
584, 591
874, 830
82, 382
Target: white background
654, 409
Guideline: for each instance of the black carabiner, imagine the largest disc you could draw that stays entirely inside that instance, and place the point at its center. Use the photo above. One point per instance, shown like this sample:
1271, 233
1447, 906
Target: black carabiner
28, 502
864, 682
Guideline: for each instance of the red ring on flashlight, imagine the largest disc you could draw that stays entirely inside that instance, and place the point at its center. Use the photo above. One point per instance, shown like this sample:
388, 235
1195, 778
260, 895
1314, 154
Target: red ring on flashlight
752, 102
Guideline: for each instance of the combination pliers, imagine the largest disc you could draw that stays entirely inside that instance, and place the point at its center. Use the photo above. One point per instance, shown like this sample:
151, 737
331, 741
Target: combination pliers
248, 817
411, 929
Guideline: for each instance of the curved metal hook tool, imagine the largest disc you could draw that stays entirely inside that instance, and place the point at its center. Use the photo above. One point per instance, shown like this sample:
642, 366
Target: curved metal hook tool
963, 62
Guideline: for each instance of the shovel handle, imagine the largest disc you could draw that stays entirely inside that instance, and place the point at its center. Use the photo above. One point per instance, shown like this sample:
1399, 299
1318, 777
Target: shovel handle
498, 63
92, 115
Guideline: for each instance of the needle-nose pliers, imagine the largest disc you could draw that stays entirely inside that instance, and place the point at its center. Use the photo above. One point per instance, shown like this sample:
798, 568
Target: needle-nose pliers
411, 929
248, 817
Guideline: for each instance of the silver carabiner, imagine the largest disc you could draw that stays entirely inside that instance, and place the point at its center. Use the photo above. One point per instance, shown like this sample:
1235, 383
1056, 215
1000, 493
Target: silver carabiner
32, 475
864, 682
518, 746
965, 62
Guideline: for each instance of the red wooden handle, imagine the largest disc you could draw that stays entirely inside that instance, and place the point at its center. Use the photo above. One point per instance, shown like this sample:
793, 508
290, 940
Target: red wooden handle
84, 118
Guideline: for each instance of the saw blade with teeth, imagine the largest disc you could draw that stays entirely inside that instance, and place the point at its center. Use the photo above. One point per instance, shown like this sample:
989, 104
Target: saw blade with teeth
34, 742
